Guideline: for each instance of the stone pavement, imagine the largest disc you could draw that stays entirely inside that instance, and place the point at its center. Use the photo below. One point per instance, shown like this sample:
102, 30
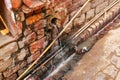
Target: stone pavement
102, 62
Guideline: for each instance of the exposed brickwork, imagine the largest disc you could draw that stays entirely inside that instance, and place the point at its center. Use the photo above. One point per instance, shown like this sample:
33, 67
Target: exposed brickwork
32, 29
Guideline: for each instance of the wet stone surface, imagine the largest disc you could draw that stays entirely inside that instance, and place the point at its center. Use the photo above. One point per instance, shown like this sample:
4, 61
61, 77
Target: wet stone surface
102, 60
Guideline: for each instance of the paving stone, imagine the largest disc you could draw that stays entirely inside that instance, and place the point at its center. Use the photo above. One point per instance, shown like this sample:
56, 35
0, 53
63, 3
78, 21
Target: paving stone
118, 76
8, 50
100, 76
16, 3
116, 61
5, 64
111, 71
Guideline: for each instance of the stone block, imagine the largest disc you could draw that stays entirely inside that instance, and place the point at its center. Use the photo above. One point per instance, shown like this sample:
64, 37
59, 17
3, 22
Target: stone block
23, 64
36, 55
26, 9
21, 56
5, 39
8, 50
80, 20
34, 3
21, 71
27, 31
21, 44
11, 71
5, 64
90, 14
37, 45
12, 77
95, 3
40, 33
29, 59
30, 38
40, 25
87, 8
32, 19
33, 57
100, 7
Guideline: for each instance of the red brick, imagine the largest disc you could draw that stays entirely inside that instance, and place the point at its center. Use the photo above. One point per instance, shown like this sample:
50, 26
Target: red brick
32, 19
30, 38
16, 4
12, 77
36, 55
11, 71
40, 33
34, 3
33, 56
40, 24
37, 45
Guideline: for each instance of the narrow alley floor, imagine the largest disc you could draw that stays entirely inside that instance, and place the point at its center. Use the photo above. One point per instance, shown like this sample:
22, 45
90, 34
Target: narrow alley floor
102, 62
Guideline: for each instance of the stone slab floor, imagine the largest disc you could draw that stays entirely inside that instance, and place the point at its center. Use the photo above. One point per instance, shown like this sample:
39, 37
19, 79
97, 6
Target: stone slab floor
102, 62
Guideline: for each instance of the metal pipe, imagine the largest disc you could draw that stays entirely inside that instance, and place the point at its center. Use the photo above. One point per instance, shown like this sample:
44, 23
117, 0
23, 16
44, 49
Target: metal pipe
31, 66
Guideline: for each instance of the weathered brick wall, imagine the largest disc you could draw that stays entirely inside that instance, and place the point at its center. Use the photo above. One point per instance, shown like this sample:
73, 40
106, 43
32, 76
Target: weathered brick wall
33, 19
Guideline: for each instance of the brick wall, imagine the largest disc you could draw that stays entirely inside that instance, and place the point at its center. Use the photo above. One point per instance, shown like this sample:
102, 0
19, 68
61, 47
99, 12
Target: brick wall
33, 19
